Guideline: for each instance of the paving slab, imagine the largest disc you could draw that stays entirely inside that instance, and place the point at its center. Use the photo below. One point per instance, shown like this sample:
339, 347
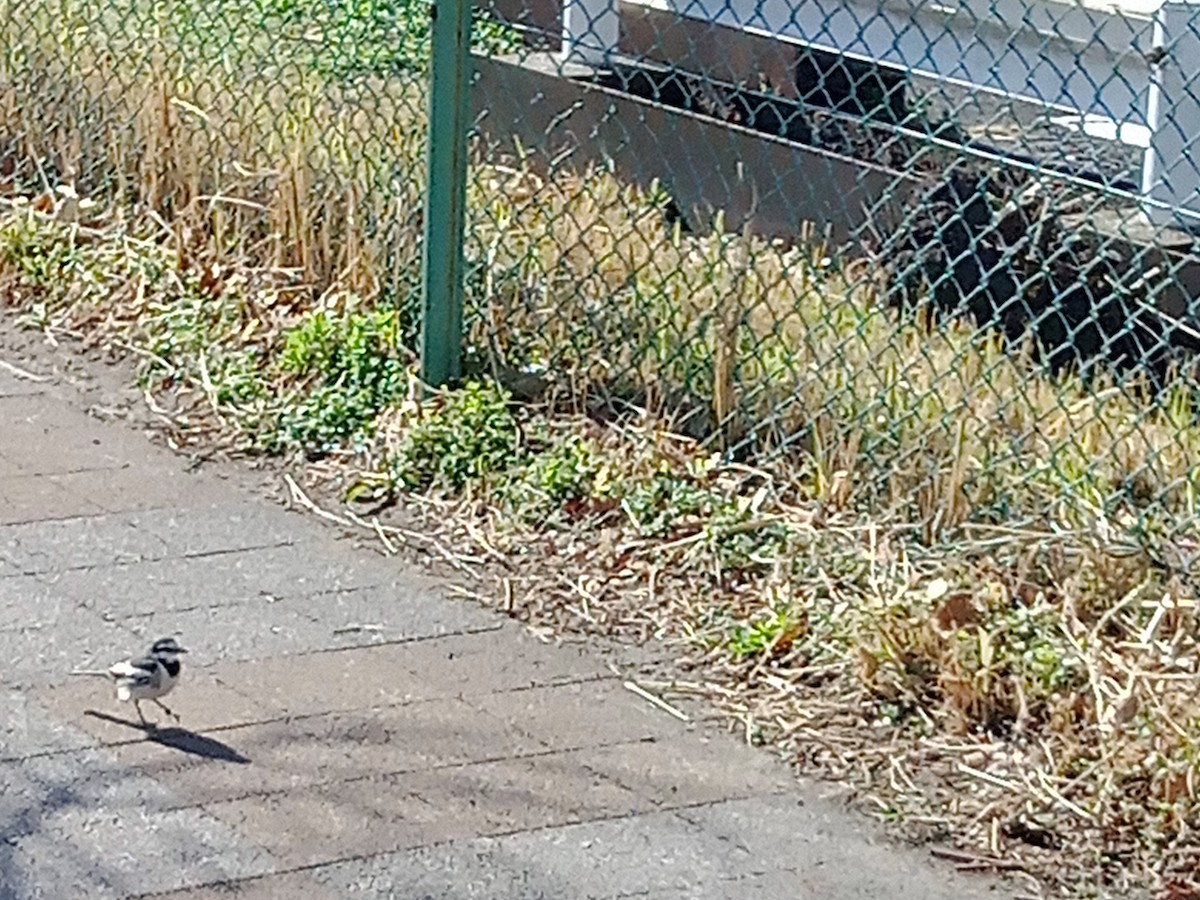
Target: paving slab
327, 750
412, 809
9, 468
689, 769
285, 886
90, 704
578, 861
508, 658
90, 540
84, 819
79, 542
264, 574
302, 623
31, 498
128, 854
38, 414
89, 780
476, 663
677, 858
28, 728
46, 652
222, 527
565, 716
47, 437
131, 489
835, 854
12, 385
26, 601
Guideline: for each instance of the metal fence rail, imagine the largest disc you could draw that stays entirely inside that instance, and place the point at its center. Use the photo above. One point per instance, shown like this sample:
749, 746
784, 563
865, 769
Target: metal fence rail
1095, 62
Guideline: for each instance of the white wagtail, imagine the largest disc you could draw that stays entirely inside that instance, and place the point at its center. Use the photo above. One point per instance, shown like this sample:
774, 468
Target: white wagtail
148, 677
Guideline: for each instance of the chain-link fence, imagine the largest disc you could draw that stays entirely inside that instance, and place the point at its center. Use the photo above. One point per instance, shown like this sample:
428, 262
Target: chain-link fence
940, 266
950, 284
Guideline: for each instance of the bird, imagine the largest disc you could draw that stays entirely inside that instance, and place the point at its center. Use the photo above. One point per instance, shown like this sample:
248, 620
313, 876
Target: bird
148, 677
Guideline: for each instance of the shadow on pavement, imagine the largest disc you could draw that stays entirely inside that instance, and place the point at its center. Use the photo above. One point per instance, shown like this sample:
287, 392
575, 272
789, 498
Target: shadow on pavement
179, 739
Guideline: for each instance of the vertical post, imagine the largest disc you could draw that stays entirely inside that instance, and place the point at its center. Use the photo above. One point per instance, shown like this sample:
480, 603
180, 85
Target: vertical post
591, 31
445, 193
1171, 169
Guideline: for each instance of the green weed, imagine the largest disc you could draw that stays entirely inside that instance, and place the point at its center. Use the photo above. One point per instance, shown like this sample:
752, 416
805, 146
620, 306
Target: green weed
350, 365
566, 470
772, 633
41, 258
459, 437
665, 503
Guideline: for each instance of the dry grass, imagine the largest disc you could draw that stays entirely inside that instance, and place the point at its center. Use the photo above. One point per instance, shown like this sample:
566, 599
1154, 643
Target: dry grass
776, 348
276, 168
937, 572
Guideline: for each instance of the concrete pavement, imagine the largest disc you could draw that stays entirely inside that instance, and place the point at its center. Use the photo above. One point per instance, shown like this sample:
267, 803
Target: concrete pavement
445, 753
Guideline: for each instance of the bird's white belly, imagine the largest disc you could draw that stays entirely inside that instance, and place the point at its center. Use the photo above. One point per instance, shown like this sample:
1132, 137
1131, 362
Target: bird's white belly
152, 690
143, 691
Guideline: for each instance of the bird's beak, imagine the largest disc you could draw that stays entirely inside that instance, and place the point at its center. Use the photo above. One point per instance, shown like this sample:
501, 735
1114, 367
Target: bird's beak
180, 650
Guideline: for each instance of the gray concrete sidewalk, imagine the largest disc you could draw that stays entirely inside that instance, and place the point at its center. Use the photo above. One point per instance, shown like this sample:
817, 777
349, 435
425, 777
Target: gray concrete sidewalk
446, 755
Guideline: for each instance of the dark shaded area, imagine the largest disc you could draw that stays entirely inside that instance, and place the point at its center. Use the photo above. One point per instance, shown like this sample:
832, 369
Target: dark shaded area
197, 745
995, 247
984, 241
180, 739
23, 824
824, 82
835, 82
843, 106
751, 109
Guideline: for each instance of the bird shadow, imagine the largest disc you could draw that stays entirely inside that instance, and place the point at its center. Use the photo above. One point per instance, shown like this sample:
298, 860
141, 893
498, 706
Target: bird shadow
178, 739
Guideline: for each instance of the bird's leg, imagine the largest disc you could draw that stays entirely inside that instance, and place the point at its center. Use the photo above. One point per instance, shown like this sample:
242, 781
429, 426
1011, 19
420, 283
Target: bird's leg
137, 704
167, 711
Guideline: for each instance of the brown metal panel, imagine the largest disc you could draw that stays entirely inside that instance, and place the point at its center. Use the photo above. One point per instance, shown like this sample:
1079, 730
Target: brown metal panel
773, 186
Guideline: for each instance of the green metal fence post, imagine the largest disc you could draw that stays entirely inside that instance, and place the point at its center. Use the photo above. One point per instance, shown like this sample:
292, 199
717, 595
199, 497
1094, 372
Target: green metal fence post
445, 194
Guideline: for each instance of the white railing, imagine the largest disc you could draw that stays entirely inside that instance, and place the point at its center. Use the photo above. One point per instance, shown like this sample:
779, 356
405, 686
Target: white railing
1120, 70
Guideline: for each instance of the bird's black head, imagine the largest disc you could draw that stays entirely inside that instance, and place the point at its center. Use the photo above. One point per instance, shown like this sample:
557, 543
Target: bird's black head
166, 647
